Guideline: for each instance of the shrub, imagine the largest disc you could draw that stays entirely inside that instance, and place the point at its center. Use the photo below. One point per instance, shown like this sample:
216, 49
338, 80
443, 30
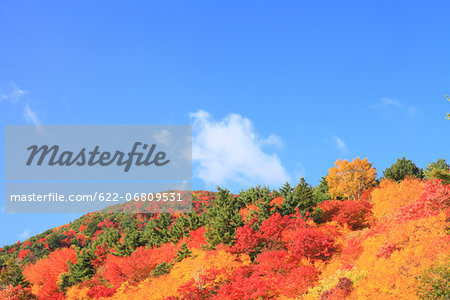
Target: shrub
434, 283
355, 214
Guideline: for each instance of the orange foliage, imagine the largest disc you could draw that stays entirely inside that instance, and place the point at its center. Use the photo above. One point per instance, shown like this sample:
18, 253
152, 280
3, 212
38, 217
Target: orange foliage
43, 275
138, 265
246, 211
194, 268
390, 195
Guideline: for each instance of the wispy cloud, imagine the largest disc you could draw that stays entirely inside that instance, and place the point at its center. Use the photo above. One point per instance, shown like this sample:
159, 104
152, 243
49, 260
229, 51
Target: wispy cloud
387, 102
30, 115
390, 104
340, 144
229, 151
25, 234
163, 137
12, 93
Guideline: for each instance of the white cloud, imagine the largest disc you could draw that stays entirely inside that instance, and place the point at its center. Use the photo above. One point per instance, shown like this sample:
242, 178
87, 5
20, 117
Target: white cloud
340, 144
389, 104
229, 151
25, 234
30, 115
12, 93
162, 137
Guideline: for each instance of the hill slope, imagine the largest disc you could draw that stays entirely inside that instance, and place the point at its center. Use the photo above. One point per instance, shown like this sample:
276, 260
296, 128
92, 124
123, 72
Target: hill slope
292, 243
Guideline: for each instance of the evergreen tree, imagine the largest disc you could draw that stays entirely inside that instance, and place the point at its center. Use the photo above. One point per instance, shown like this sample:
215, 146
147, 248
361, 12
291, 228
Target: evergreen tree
54, 240
11, 274
156, 232
301, 197
402, 168
81, 271
179, 229
133, 238
286, 190
195, 221
259, 196
321, 191
110, 237
223, 219
439, 170
162, 269
304, 195
183, 253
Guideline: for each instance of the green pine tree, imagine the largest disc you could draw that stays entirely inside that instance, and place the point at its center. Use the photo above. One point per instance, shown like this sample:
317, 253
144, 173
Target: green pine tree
223, 219
321, 191
402, 168
183, 253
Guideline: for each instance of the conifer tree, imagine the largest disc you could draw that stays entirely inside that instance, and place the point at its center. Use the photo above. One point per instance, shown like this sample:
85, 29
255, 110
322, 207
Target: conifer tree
321, 191
402, 168
301, 197
156, 232
183, 253
223, 219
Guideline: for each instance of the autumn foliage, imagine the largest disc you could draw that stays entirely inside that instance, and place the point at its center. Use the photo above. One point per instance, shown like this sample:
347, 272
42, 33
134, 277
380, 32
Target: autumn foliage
385, 241
44, 274
349, 179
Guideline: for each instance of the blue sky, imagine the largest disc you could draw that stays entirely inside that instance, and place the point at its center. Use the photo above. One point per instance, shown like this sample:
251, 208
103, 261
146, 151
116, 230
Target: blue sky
307, 82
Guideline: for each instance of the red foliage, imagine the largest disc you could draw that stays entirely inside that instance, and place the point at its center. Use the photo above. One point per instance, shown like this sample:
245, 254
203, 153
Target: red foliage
107, 223
352, 251
26, 244
435, 198
82, 239
23, 253
100, 291
246, 240
197, 238
386, 250
298, 281
355, 214
248, 210
367, 194
201, 200
276, 202
275, 261
437, 195
271, 277
100, 254
44, 274
138, 265
272, 227
246, 284
311, 243
15, 293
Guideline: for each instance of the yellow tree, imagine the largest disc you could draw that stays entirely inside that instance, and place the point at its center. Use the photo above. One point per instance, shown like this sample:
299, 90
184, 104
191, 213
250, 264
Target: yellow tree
349, 179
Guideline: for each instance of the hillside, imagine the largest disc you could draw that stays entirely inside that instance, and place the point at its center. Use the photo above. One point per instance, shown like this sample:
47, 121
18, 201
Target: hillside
385, 240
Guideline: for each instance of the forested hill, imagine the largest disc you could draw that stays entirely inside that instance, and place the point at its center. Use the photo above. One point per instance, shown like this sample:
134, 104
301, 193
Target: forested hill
351, 237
